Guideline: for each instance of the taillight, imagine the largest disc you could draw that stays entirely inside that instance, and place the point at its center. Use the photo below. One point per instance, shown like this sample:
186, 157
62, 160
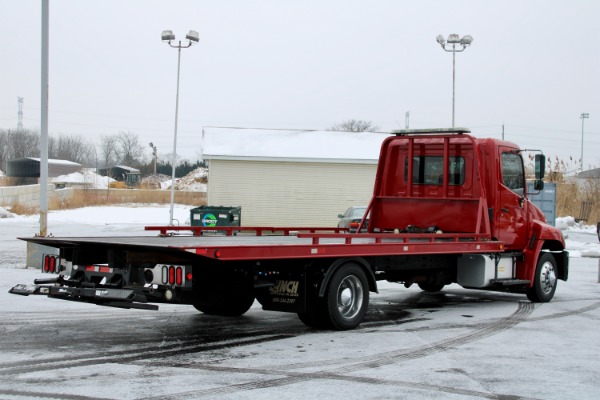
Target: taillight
354, 225
178, 276
50, 264
174, 275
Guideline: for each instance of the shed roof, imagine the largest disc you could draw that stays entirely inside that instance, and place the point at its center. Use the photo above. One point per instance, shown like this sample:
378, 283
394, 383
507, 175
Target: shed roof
291, 145
29, 167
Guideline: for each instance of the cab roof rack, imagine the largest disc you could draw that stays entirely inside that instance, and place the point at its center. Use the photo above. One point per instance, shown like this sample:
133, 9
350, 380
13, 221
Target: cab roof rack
438, 131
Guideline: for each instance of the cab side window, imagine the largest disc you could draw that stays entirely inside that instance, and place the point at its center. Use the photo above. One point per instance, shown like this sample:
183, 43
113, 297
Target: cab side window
513, 173
428, 170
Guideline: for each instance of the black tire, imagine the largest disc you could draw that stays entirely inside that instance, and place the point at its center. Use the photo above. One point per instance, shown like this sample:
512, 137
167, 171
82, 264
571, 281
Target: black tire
544, 281
431, 287
232, 306
598, 230
347, 297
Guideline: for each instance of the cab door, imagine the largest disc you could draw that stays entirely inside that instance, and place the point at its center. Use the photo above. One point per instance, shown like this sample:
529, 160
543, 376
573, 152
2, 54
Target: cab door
512, 212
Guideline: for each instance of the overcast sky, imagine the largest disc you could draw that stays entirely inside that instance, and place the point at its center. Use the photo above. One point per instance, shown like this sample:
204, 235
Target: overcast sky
533, 66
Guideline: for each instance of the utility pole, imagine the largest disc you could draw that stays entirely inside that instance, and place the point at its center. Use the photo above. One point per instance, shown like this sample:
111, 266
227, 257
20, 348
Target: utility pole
583, 117
153, 147
406, 119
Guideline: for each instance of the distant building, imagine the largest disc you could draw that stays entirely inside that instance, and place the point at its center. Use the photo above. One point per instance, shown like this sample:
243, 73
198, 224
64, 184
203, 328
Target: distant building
589, 178
122, 173
29, 167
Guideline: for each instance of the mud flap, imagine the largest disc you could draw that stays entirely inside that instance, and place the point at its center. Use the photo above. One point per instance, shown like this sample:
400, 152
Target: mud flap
288, 295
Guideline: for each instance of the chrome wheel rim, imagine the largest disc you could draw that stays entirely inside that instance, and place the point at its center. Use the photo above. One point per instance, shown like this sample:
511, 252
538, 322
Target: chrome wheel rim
350, 297
547, 277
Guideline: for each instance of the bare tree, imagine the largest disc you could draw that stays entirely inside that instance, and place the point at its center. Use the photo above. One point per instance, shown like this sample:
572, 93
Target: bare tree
4, 143
129, 149
354, 125
73, 148
23, 143
108, 150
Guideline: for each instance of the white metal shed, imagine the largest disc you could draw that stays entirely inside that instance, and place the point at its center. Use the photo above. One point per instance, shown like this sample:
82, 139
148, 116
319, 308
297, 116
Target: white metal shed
290, 177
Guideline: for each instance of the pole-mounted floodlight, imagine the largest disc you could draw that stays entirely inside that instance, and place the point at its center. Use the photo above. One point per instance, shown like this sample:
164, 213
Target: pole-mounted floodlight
193, 36
454, 40
169, 37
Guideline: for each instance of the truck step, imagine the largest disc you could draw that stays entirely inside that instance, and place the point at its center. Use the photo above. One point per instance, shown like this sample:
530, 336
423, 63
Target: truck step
509, 282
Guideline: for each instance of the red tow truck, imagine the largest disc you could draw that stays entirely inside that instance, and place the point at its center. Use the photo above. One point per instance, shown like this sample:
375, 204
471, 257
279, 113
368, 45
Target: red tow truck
447, 207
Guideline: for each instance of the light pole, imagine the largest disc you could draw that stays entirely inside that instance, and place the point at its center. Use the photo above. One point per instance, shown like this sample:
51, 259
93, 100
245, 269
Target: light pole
454, 39
169, 37
153, 147
583, 117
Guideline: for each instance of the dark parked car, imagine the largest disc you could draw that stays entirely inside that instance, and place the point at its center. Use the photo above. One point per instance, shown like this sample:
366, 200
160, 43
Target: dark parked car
352, 217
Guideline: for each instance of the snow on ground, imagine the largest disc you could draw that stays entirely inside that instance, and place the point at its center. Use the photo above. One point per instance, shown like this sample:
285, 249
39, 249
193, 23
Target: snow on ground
126, 214
4, 213
581, 240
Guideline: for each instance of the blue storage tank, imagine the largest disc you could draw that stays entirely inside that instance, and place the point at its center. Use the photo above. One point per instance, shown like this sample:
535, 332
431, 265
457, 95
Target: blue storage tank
545, 200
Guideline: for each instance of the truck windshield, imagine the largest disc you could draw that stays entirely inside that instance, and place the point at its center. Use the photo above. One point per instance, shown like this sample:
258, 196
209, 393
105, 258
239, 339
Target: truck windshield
429, 170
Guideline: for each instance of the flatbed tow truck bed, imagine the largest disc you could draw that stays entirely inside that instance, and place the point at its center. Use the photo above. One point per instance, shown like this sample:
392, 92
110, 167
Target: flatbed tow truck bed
244, 243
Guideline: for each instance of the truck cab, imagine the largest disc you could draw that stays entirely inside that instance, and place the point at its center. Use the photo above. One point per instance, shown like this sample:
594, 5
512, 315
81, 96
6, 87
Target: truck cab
447, 181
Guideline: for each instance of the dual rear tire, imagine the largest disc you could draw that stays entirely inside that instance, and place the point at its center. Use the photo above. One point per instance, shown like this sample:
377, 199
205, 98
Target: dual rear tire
345, 302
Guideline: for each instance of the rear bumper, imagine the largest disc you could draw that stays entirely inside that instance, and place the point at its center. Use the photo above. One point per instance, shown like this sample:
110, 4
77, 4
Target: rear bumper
122, 298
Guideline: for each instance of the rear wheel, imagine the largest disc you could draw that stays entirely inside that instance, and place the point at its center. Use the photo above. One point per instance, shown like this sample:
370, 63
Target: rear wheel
347, 297
544, 282
431, 287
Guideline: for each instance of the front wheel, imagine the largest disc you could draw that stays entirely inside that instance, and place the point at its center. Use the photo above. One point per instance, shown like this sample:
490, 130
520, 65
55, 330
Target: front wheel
544, 282
347, 297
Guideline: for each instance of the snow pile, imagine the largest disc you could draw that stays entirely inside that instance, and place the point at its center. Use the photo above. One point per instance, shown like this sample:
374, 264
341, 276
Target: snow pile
4, 213
569, 224
195, 181
154, 181
86, 177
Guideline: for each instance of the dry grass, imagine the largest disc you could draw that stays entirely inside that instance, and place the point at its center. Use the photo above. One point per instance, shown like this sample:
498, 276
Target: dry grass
20, 209
79, 198
569, 197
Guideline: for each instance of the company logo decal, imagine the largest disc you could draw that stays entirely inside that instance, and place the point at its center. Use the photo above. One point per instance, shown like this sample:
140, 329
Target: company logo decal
209, 220
285, 288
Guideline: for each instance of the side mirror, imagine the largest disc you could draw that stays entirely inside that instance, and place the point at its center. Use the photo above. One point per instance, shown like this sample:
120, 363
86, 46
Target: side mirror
538, 185
540, 166
340, 215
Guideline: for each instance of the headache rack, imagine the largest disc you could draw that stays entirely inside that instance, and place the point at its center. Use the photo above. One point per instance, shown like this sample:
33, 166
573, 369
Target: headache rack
439, 131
